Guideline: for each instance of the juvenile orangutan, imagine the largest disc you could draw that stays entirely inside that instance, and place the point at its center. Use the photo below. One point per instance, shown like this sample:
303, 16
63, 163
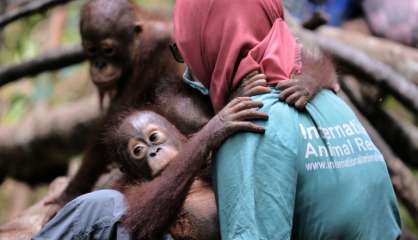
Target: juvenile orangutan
169, 187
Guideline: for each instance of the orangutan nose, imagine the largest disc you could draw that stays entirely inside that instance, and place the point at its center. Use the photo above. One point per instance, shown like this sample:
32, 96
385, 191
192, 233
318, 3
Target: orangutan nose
153, 154
100, 64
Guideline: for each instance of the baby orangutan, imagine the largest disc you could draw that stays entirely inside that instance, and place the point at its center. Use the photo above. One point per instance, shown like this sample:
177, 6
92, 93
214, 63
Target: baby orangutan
168, 189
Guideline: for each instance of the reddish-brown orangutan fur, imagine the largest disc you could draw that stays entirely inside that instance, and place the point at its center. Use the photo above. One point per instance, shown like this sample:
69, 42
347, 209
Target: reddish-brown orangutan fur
186, 202
155, 84
189, 215
319, 67
175, 219
147, 140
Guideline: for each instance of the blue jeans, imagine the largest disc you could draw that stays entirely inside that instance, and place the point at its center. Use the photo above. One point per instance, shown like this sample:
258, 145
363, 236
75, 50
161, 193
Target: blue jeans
95, 215
91, 216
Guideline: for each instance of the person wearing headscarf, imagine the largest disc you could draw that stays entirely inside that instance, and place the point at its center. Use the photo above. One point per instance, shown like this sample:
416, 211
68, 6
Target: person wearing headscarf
314, 174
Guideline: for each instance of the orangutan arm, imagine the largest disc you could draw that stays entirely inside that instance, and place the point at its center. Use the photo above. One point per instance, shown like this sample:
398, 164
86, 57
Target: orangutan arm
153, 205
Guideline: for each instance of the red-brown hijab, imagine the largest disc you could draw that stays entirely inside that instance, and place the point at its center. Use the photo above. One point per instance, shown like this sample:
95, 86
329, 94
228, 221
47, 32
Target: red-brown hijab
223, 40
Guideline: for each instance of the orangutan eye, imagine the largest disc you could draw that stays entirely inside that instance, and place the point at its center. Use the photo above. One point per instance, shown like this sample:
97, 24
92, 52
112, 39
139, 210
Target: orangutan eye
137, 28
91, 50
137, 149
109, 51
138, 152
154, 137
157, 137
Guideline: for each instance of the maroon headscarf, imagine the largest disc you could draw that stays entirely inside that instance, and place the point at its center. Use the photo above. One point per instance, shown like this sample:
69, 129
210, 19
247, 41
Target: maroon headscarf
224, 40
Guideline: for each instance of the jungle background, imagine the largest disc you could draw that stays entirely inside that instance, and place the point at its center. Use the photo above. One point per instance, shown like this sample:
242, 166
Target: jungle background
48, 105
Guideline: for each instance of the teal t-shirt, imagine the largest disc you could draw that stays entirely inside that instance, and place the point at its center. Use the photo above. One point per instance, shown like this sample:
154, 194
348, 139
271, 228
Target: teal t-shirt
314, 174
343, 187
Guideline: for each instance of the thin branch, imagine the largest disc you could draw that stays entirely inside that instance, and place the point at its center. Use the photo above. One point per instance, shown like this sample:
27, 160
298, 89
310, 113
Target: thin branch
36, 6
401, 58
366, 68
401, 135
50, 61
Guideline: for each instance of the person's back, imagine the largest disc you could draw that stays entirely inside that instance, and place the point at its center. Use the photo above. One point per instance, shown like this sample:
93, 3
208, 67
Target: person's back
344, 190
315, 174
331, 180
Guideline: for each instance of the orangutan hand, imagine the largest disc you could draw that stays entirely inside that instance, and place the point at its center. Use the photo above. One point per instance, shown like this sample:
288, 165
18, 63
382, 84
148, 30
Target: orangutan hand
253, 84
235, 117
297, 92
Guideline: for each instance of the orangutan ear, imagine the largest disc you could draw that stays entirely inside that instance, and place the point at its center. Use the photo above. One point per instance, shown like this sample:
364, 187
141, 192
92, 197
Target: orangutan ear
138, 27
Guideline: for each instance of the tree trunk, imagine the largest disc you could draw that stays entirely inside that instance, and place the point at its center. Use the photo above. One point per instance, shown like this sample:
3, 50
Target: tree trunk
400, 57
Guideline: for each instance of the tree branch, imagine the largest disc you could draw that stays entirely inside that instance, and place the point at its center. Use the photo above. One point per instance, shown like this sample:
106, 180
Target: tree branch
401, 58
366, 68
35, 6
34, 218
50, 61
401, 136
38, 150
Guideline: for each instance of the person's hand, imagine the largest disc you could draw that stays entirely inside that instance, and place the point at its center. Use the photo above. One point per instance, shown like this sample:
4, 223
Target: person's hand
253, 84
235, 117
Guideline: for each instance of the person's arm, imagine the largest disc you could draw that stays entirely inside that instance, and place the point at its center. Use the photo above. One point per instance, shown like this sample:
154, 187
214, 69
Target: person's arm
153, 206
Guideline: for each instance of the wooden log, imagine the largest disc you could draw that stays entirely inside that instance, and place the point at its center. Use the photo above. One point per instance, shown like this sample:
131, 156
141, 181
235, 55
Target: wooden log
401, 136
38, 150
407, 235
365, 68
21, 194
34, 7
53, 60
33, 219
401, 58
